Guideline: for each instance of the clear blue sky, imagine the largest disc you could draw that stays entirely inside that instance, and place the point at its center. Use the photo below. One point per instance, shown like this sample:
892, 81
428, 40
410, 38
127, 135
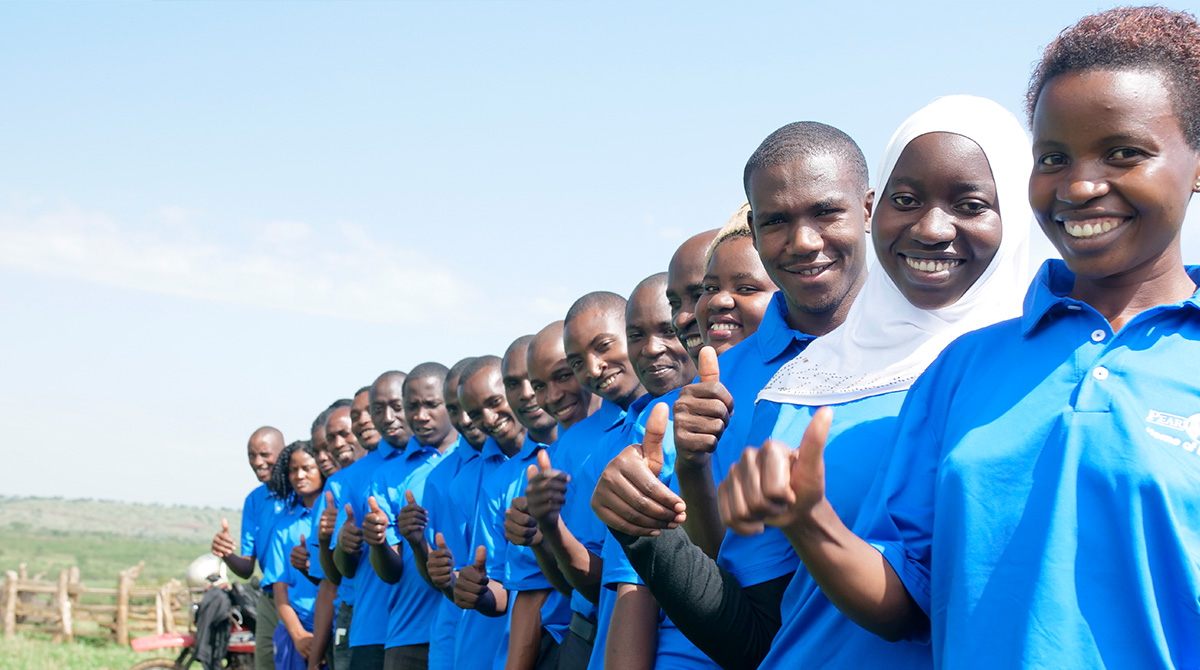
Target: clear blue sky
215, 216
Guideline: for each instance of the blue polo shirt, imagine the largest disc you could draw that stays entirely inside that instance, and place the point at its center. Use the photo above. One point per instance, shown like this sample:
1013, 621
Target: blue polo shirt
815, 634
345, 588
520, 571
412, 603
576, 448
616, 566
745, 370
442, 519
1050, 469
368, 625
479, 636
295, 521
259, 512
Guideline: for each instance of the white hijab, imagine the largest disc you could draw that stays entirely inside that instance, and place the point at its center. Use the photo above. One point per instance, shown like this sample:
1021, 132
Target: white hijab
886, 342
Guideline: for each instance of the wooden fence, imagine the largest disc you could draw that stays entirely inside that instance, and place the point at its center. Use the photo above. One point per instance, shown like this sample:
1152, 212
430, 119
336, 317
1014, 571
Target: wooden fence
59, 608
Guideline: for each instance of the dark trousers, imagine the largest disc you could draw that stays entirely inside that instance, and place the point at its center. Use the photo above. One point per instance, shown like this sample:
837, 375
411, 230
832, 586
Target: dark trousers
366, 657
547, 658
576, 648
407, 657
340, 646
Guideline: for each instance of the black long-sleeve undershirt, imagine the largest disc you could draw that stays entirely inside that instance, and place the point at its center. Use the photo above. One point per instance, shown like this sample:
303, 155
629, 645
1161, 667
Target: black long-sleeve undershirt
734, 626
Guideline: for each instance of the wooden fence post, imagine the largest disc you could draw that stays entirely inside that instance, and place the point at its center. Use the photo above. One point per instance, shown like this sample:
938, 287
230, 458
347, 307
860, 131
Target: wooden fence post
10, 603
124, 585
63, 596
23, 572
166, 595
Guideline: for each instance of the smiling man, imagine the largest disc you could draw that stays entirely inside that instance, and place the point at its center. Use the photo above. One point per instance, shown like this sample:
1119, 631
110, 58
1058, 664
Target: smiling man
386, 402
595, 347
685, 283
259, 512
360, 420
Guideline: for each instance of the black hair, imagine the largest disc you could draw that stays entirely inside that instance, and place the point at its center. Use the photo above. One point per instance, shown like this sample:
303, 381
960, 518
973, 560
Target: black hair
520, 344
606, 300
1154, 39
430, 370
805, 139
455, 373
387, 375
365, 389
478, 365
278, 485
323, 417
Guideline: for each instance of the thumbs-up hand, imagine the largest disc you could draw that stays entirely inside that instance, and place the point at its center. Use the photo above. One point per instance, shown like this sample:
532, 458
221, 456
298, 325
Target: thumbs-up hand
222, 544
299, 556
328, 521
547, 490
629, 496
701, 413
776, 485
519, 527
350, 538
411, 521
440, 564
472, 581
375, 524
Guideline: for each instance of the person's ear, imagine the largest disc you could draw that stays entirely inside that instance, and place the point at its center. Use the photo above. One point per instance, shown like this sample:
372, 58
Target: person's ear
868, 208
753, 231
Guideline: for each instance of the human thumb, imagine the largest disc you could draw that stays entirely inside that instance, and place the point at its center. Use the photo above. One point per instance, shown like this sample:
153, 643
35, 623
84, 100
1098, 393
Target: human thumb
439, 541
329, 498
225, 526
349, 512
543, 460
373, 505
656, 428
301, 539
707, 365
408, 495
481, 559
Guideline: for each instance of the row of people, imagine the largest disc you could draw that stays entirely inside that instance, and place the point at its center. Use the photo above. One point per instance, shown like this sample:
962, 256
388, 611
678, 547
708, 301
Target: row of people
769, 456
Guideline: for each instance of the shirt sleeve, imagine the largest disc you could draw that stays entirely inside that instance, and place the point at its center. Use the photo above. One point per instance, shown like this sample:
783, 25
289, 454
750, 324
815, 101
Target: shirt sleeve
275, 559
897, 515
311, 542
489, 525
250, 514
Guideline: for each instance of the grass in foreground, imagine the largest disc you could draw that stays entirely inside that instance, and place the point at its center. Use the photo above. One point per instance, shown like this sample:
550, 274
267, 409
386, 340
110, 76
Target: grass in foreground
26, 652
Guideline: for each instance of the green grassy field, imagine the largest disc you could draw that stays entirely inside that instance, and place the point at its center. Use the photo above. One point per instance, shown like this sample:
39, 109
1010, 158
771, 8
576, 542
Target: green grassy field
36, 653
103, 538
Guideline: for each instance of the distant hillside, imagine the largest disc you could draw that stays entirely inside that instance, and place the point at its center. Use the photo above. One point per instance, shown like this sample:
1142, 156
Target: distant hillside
151, 522
102, 538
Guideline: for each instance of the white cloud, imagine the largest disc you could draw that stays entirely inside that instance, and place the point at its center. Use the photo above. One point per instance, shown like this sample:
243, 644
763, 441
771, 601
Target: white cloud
292, 266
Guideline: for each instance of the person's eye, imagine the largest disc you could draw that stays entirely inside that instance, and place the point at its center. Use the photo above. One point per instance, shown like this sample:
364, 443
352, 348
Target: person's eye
711, 288
973, 207
747, 288
1124, 154
1052, 160
904, 201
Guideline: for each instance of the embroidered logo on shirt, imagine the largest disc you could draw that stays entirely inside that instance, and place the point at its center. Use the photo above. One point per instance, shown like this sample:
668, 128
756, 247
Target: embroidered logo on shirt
1189, 425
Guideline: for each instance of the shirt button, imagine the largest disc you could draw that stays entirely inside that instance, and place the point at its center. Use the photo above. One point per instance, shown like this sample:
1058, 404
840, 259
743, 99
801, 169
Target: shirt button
1098, 335
1100, 373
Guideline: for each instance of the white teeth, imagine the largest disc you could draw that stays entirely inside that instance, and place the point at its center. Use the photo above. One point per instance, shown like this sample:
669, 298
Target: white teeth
723, 326
924, 265
809, 273
692, 341
606, 383
563, 412
1097, 226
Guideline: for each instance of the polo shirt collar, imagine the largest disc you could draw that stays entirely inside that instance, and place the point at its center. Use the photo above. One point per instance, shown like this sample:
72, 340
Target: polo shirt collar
491, 449
1049, 294
774, 335
387, 451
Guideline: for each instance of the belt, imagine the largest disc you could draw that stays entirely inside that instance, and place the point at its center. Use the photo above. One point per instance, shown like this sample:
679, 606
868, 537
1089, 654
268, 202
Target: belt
583, 627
